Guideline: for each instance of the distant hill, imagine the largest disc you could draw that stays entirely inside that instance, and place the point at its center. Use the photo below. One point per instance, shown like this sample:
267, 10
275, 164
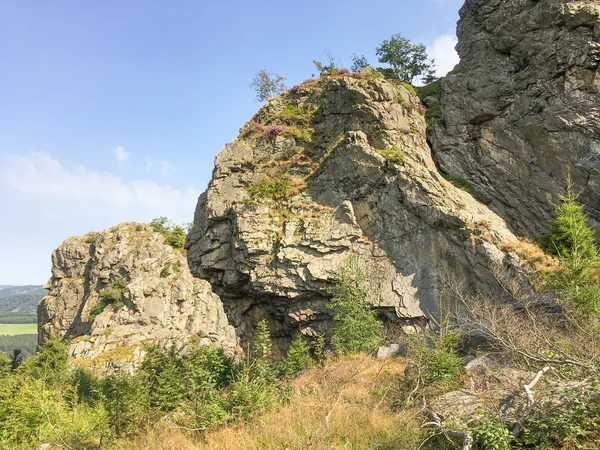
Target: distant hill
21, 299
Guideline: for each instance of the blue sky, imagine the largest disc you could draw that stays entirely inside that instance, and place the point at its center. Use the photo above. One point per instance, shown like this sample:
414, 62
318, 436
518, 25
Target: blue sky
113, 111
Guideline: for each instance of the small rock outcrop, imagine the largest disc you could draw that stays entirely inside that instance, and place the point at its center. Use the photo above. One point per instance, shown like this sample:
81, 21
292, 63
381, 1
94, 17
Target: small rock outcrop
154, 299
520, 112
335, 166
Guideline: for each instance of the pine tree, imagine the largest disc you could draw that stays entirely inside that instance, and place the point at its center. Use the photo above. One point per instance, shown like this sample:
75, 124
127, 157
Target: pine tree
355, 327
569, 235
297, 358
572, 241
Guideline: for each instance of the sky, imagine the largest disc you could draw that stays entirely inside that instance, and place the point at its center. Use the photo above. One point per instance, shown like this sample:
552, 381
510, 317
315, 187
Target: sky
113, 111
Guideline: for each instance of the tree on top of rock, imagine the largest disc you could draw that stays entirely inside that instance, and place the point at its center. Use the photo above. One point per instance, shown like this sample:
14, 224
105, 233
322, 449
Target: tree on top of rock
408, 61
267, 85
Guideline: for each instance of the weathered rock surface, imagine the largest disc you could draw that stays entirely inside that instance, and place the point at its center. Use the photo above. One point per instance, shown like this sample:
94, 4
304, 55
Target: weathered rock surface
291, 198
162, 302
520, 112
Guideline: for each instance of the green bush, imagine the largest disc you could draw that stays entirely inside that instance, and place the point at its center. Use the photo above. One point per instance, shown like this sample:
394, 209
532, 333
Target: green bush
111, 295
301, 116
297, 358
91, 237
355, 327
126, 400
175, 235
392, 154
273, 188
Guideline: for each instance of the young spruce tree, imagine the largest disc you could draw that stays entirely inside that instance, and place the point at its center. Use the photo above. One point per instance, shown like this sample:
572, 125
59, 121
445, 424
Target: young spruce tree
355, 327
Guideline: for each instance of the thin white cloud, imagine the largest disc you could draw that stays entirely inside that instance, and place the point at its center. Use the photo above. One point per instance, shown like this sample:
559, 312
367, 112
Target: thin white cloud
444, 54
120, 154
71, 200
39, 173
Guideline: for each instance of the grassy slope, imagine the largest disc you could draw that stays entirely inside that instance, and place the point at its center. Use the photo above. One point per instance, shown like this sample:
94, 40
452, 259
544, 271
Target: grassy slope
343, 405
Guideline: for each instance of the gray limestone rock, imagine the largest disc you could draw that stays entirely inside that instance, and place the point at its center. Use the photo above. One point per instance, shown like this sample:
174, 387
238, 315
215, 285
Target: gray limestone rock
520, 112
334, 166
162, 302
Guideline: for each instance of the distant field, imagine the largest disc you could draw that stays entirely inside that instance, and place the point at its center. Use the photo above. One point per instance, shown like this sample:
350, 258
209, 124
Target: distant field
12, 329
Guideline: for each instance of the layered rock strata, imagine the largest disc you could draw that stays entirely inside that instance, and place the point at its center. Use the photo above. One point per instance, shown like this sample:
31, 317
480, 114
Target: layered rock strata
520, 112
336, 166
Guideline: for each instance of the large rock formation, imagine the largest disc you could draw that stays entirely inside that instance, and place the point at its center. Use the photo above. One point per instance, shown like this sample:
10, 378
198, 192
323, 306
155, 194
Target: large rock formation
334, 166
161, 302
521, 110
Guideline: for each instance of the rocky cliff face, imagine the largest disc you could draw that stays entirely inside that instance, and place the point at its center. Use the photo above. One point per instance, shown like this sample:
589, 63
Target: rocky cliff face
159, 300
334, 166
521, 109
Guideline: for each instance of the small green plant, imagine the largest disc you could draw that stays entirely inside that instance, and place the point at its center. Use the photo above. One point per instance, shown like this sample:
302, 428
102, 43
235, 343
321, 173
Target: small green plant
463, 185
490, 433
273, 188
433, 111
111, 295
409, 87
175, 235
166, 270
355, 327
297, 358
392, 154
177, 266
301, 116
91, 237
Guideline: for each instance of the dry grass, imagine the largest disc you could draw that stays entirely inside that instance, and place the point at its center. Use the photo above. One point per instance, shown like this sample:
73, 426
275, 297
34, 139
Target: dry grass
343, 405
543, 266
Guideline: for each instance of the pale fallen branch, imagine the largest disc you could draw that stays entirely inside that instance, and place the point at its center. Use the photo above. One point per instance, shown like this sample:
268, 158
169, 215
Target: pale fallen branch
436, 422
528, 387
528, 390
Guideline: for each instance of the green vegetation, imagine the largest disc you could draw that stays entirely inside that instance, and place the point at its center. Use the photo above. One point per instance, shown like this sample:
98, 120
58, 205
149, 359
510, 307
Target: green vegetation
301, 116
27, 343
572, 241
331, 67
431, 90
174, 234
267, 85
462, 184
408, 61
90, 238
298, 357
11, 329
392, 154
17, 318
272, 188
44, 400
355, 327
111, 295
409, 87
358, 62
